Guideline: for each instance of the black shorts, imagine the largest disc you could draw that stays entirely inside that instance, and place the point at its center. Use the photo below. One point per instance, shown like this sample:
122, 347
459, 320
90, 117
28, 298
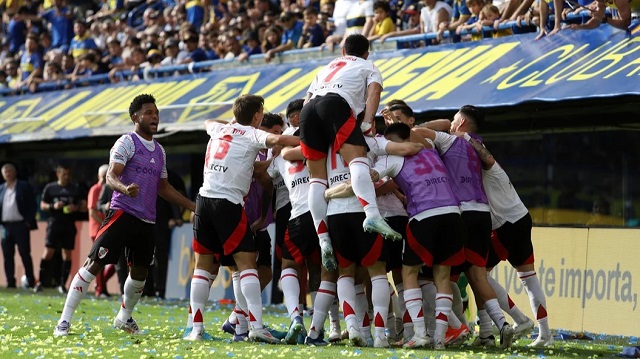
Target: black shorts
61, 235
395, 248
477, 238
512, 242
302, 243
434, 240
119, 231
328, 121
282, 222
220, 228
351, 244
263, 244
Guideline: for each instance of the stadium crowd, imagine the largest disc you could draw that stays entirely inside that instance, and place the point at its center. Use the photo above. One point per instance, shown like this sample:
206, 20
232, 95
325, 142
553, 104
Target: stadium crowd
64, 41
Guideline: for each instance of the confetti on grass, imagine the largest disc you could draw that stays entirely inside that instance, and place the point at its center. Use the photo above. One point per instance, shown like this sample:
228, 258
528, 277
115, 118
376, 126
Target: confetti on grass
27, 321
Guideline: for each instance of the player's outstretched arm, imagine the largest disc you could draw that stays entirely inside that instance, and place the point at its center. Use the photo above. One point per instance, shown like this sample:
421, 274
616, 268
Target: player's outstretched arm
166, 191
282, 140
403, 149
437, 125
425, 132
342, 190
292, 154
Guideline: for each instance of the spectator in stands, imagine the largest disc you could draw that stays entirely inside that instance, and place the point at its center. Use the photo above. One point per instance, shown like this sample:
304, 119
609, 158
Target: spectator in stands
17, 30
207, 43
68, 64
31, 64
312, 33
3, 80
86, 66
460, 16
432, 14
251, 46
12, 73
114, 58
44, 42
52, 72
197, 12
272, 38
154, 57
473, 22
382, 21
82, 42
360, 17
340, 11
412, 27
290, 36
621, 18
545, 7
491, 15
60, 18
194, 53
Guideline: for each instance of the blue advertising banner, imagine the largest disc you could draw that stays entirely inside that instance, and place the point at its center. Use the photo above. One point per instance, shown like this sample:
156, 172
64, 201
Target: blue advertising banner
494, 72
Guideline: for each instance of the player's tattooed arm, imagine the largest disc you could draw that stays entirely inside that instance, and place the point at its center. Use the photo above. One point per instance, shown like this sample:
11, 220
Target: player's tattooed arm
483, 153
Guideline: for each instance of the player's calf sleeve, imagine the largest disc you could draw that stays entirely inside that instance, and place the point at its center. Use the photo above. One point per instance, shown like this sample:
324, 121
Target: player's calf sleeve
291, 289
380, 298
362, 186
537, 300
200, 286
506, 303
132, 293
250, 285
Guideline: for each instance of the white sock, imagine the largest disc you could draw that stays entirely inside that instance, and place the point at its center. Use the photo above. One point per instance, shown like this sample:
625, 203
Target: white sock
362, 308
413, 302
200, 286
250, 285
363, 187
78, 287
407, 326
334, 313
537, 300
312, 295
456, 309
132, 293
347, 297
506, 304
484, 322
240, 310
391, 316
212, 277
443, 308
324, 299
429, 302
495, 312
318, 206
291, 290
380, 296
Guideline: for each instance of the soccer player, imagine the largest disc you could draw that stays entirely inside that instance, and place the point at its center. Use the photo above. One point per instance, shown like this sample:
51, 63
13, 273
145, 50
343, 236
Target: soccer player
220, 227
137, 173
63, 200
464, 167
336, 96
301, 249
511, 241
434, 233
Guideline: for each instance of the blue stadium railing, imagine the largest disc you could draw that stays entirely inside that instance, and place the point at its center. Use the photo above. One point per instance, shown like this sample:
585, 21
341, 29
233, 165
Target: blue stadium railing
194, 68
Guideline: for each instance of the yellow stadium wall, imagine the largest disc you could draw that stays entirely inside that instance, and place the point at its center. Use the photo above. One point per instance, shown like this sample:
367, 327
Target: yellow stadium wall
588, 277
